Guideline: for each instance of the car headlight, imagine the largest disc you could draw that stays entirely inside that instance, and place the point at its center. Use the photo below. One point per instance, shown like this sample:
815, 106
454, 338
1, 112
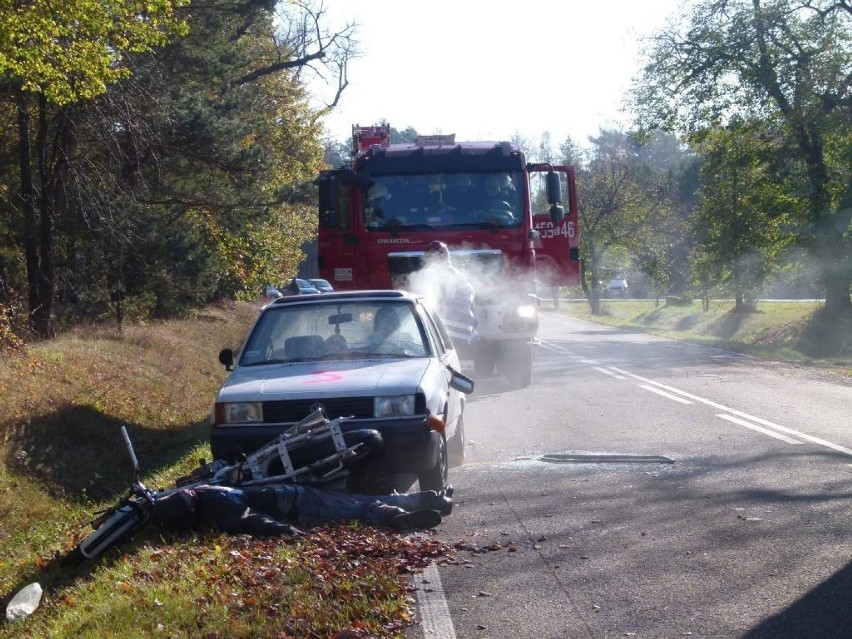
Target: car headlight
394, 406
528, 311
239, 413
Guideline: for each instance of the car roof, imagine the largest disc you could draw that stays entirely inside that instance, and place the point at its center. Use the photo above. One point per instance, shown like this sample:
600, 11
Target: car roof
344, 296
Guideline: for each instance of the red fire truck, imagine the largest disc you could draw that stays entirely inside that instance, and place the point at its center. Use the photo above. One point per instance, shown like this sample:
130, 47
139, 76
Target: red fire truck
503, 219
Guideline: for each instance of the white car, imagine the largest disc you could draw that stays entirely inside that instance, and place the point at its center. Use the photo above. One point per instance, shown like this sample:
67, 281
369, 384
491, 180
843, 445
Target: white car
382, 357
618, 286
272, 292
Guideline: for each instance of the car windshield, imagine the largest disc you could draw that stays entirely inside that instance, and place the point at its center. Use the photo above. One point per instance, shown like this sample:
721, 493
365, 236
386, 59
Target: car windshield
335, 331
425, 202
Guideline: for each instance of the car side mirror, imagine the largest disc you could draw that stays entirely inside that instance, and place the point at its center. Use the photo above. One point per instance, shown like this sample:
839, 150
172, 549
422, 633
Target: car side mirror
226, 358
460, 382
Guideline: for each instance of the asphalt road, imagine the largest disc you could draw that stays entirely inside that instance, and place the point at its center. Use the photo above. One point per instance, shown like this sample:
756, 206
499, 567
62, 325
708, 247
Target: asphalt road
646, 488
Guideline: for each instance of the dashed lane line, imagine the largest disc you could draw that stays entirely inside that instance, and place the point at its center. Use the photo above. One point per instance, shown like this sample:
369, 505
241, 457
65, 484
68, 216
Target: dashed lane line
759, 429
733, 411
610, 373
663, 393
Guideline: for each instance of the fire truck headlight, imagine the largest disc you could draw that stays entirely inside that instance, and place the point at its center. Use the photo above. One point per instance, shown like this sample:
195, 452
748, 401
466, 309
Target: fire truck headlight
528, 311
239, 413
394, 406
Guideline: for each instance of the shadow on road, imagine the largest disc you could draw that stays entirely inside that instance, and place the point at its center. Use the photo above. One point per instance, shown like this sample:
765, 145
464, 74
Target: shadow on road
822, 613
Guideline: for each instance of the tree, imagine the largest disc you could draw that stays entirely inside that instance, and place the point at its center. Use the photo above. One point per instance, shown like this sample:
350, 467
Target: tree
741, 214
787, 63
187, 180
621, 199
54, 56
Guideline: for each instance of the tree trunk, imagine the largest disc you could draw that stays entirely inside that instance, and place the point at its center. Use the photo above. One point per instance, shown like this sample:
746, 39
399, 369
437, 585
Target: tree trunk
837, 264
589, 267
835, 275
28, 207
43, 314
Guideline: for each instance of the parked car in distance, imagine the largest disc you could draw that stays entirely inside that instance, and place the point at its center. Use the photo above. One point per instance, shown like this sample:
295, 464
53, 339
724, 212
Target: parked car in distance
300, 287
617, 286
272, 292
383, 357
323, 286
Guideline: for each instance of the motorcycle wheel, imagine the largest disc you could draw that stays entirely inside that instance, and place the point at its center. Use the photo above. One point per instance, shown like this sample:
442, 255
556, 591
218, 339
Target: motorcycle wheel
117, 527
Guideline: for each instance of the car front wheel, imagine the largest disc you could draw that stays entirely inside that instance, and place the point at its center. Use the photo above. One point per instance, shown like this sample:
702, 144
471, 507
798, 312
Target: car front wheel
455, 446
435, 478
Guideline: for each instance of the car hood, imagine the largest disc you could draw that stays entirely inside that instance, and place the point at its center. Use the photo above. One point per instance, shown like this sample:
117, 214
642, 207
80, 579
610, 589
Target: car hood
324, 379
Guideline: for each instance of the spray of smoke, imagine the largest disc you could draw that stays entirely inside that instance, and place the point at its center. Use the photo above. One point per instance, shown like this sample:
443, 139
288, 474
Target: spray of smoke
491, 277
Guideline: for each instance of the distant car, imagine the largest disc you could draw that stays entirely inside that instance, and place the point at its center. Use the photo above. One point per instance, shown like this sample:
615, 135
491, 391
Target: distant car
300, 287
617, 286
273, 293
382, 357
322, 286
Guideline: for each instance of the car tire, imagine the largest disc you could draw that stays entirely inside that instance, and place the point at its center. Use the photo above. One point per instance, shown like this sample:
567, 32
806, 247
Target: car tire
435, 478
455, 446
517, 365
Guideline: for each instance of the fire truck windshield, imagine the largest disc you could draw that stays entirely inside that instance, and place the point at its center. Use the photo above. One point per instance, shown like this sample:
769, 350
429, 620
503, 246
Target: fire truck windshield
426, 202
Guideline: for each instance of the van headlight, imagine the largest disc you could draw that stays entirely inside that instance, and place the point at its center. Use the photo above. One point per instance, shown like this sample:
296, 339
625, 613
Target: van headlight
239, 413
394, 406
528, 311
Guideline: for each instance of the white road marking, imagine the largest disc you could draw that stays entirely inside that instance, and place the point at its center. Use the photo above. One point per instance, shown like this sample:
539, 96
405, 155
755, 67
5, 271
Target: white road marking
432, 604
738, 413
760, 429
732, 411
610, 373
664, 393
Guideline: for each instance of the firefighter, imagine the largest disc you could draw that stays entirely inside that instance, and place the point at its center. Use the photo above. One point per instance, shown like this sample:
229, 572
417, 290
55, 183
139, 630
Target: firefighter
499, 195
455, 295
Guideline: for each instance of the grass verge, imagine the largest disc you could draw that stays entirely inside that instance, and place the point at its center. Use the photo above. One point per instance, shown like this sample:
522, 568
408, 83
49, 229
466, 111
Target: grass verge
62, 458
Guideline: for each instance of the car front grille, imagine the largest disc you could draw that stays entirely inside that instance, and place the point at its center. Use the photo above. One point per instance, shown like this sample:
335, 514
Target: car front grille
293, 410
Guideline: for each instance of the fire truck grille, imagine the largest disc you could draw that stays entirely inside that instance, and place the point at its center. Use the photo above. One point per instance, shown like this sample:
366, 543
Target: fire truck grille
518, 325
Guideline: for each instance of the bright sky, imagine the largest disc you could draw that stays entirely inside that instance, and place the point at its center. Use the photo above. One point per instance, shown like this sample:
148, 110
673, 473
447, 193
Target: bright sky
488, 70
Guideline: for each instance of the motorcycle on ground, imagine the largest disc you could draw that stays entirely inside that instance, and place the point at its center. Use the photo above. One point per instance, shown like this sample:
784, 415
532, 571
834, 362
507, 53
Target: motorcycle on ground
314, 452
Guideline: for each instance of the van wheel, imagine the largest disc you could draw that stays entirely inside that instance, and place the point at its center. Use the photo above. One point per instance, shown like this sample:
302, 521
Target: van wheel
483, 361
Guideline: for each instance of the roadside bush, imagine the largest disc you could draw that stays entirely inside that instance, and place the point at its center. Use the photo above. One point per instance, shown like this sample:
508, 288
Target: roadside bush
683, 300
9, 340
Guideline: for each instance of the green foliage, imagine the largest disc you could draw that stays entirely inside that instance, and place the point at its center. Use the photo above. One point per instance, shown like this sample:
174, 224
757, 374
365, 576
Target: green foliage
627, 209
782, 64
188, 184
743, 210
71, 51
